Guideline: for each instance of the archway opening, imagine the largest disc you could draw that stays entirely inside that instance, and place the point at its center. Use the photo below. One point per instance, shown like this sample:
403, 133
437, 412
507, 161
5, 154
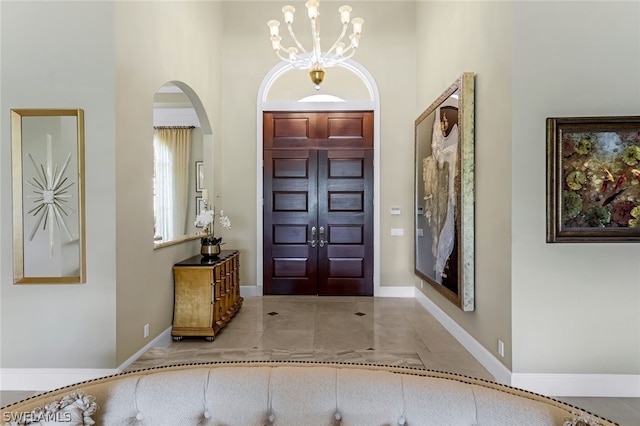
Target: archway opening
182, 149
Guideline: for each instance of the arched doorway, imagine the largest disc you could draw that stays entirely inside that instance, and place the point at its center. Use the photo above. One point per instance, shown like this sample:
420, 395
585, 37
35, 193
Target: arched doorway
177, 108
368, 102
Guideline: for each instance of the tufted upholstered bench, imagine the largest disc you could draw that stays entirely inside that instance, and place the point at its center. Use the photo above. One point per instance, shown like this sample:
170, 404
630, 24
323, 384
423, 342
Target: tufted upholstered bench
294, 393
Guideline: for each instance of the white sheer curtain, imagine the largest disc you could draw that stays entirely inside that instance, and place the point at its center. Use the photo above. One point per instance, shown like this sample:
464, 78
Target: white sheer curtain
172, 151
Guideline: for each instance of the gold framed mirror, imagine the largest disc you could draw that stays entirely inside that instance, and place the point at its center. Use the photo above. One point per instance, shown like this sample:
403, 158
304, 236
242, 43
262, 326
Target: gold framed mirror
444, 193
48, 196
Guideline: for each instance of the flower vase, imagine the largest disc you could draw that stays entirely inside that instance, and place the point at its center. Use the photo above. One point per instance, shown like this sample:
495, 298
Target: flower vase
208, 249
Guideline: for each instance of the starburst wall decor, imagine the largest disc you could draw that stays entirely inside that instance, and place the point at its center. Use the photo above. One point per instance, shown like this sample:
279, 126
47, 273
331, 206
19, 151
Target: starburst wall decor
51, 196
47, 149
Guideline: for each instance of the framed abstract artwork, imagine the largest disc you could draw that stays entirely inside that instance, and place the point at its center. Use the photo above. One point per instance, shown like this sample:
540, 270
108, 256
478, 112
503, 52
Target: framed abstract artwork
444, 193
593, 179
48, 196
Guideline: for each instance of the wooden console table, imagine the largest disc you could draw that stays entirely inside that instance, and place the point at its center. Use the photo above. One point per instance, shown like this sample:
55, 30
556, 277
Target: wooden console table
206, 294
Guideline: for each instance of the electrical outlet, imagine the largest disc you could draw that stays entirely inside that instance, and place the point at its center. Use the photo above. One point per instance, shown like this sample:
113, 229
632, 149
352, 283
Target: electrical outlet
500, 347
146, 331
421, 284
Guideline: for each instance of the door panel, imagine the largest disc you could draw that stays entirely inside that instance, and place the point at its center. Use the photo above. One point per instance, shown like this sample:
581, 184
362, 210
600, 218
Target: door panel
289, 213
318, 130
345, 127
345, 211
326, 188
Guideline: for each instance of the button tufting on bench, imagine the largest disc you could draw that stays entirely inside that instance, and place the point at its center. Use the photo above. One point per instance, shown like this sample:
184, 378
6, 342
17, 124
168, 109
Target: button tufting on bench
306, 393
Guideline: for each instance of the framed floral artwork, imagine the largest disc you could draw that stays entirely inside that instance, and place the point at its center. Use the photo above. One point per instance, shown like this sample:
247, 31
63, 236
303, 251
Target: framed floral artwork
593, 179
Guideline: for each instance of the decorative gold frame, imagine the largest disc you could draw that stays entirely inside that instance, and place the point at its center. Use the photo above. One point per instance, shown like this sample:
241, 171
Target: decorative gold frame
444, 236
48, 195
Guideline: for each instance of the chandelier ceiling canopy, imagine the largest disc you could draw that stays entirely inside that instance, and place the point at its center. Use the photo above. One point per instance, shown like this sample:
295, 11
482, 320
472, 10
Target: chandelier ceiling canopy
315, 60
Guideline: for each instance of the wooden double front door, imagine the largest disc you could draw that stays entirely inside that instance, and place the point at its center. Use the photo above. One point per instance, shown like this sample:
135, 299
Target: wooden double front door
318, 203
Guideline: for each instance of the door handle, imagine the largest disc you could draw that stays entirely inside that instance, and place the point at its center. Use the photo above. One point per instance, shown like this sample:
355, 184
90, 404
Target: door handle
322, 241
313, 237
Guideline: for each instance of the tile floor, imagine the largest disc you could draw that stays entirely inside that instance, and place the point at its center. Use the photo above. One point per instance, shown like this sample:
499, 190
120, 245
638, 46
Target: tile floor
392, 331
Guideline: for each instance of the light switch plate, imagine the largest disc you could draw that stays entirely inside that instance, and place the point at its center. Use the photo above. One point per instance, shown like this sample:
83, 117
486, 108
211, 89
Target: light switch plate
397, 232
395, 210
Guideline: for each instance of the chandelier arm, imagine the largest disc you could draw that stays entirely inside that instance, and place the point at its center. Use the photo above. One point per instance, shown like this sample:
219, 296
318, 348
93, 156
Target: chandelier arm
326, 60
298, 62
350, 50
315, 39
353, 52
342, 34
348, 53
329, 60
316, 55
332, 60
279, 55
315, 43
295, 39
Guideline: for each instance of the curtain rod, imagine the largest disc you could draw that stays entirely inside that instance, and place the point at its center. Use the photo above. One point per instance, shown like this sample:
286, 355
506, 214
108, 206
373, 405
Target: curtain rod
174, 127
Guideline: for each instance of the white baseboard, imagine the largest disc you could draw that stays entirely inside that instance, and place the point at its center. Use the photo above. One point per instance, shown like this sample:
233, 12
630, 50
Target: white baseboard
407, 291
501, 373
162, 340
46, 379
249, 291
577, 385
585, 385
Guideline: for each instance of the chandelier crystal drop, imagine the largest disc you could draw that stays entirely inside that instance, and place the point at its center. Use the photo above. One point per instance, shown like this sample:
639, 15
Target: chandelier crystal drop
315, 60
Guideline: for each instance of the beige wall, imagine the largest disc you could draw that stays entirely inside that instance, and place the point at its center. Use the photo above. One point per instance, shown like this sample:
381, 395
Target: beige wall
570, 308
558, 308
576, 307
387, 51
144, 58
156, 42
61, 55
103, 57
456, 37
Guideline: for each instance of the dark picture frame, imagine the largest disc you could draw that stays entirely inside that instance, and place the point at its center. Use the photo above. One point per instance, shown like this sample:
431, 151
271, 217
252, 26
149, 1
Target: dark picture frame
201, 204
444, 194
199, 176
593, 179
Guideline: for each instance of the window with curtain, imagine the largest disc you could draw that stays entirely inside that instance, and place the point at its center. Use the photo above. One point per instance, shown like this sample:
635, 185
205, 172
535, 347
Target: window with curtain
172, 152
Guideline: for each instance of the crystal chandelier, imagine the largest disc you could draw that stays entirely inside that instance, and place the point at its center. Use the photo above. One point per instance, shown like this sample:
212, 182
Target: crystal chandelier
316, 60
